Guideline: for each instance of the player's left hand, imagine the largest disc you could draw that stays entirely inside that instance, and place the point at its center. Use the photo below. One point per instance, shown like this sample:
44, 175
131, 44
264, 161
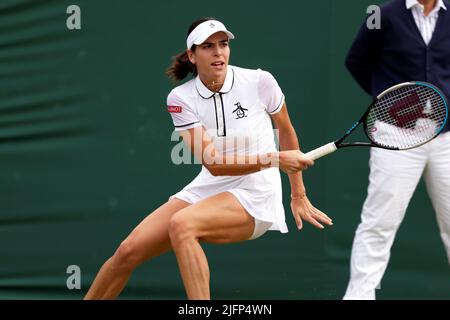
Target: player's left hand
302, 209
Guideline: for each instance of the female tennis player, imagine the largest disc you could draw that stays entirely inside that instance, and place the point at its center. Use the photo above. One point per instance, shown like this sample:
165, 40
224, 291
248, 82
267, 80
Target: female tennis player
237, 195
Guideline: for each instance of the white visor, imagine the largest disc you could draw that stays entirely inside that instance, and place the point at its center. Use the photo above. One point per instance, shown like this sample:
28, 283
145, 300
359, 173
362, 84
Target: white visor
204, 30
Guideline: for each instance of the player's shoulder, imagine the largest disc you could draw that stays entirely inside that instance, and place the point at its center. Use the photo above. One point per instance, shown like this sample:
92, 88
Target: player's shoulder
247, 71
243, 71
183, 91
250, 75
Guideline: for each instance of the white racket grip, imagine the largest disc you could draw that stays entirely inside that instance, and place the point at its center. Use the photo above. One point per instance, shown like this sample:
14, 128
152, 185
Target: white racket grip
321, 151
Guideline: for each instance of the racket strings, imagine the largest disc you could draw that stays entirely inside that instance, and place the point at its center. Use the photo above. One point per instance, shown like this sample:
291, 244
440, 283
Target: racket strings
406, 117
404, 112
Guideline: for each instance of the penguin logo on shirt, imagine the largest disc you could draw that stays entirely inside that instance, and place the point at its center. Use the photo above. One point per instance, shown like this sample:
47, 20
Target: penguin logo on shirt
240, 112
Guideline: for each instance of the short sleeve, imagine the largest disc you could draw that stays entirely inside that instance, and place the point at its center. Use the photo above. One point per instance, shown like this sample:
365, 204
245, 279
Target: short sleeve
270, 92
183, 116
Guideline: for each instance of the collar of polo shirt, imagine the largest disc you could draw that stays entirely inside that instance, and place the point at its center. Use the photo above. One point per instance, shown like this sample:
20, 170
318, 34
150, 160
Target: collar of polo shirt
204, 30
205, 93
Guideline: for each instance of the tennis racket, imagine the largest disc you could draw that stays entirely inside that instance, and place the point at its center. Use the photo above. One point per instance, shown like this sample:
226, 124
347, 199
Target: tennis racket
402, 117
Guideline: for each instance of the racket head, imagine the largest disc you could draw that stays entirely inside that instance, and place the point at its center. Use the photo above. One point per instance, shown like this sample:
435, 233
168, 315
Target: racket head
406, 116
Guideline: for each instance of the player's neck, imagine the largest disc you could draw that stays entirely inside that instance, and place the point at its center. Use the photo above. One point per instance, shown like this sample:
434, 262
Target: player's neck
428, 5
213, 83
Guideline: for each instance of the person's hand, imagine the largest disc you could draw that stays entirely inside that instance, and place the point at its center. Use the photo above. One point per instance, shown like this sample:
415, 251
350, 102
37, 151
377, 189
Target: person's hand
292, 161
302, 209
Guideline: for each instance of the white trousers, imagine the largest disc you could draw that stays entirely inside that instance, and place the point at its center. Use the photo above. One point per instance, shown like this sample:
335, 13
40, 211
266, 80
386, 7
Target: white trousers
394, 176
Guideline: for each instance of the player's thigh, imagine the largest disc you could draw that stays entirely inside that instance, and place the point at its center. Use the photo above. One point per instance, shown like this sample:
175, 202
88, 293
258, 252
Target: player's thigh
151, 238
218, 219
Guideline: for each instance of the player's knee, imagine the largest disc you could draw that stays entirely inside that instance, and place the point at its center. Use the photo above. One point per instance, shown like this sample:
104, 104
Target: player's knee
127, 256
180, 228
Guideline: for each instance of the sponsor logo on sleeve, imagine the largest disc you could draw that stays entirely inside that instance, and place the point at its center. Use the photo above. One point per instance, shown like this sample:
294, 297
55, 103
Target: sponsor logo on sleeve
174, 109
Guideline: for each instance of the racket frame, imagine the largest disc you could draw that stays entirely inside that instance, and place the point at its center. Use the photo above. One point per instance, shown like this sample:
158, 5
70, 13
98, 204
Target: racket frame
340, 144
337, 144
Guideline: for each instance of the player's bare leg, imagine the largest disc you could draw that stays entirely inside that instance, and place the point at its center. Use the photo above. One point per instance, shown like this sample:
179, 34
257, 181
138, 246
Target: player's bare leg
148, 240
218, 219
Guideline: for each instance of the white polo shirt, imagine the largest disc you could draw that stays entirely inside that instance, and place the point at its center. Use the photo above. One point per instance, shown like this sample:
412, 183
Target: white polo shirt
241, 109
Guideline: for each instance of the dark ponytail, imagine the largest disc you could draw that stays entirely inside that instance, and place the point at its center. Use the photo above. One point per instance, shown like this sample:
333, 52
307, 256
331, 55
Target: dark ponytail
181, 66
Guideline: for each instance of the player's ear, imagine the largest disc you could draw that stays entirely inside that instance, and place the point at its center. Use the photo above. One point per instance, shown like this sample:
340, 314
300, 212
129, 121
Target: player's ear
191, 56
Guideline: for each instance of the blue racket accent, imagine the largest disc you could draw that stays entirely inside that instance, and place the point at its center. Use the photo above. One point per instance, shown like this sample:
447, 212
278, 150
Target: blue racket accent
353, 127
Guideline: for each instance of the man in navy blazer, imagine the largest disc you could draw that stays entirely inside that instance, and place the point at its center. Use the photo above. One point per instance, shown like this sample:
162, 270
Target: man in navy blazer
413, 44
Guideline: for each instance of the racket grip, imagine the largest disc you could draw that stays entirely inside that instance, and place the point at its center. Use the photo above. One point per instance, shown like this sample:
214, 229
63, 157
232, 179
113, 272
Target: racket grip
321, 151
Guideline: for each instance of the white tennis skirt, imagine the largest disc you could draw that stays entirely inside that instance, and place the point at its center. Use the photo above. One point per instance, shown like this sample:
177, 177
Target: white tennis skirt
260, 193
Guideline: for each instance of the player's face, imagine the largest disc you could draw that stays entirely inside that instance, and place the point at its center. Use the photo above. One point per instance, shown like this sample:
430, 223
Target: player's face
211, 57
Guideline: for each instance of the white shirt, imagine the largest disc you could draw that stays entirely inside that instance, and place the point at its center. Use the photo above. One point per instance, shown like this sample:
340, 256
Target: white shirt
240, 110
425, 24
238, 121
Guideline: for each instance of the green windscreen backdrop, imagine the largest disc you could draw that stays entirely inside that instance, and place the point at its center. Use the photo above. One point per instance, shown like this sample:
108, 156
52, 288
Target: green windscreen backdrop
85, 145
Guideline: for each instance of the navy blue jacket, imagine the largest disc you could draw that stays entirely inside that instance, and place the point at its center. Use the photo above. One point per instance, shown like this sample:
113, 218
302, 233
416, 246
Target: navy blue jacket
396, 53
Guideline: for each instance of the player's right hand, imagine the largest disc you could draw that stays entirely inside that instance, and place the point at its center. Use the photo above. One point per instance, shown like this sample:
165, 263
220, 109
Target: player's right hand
292, 161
